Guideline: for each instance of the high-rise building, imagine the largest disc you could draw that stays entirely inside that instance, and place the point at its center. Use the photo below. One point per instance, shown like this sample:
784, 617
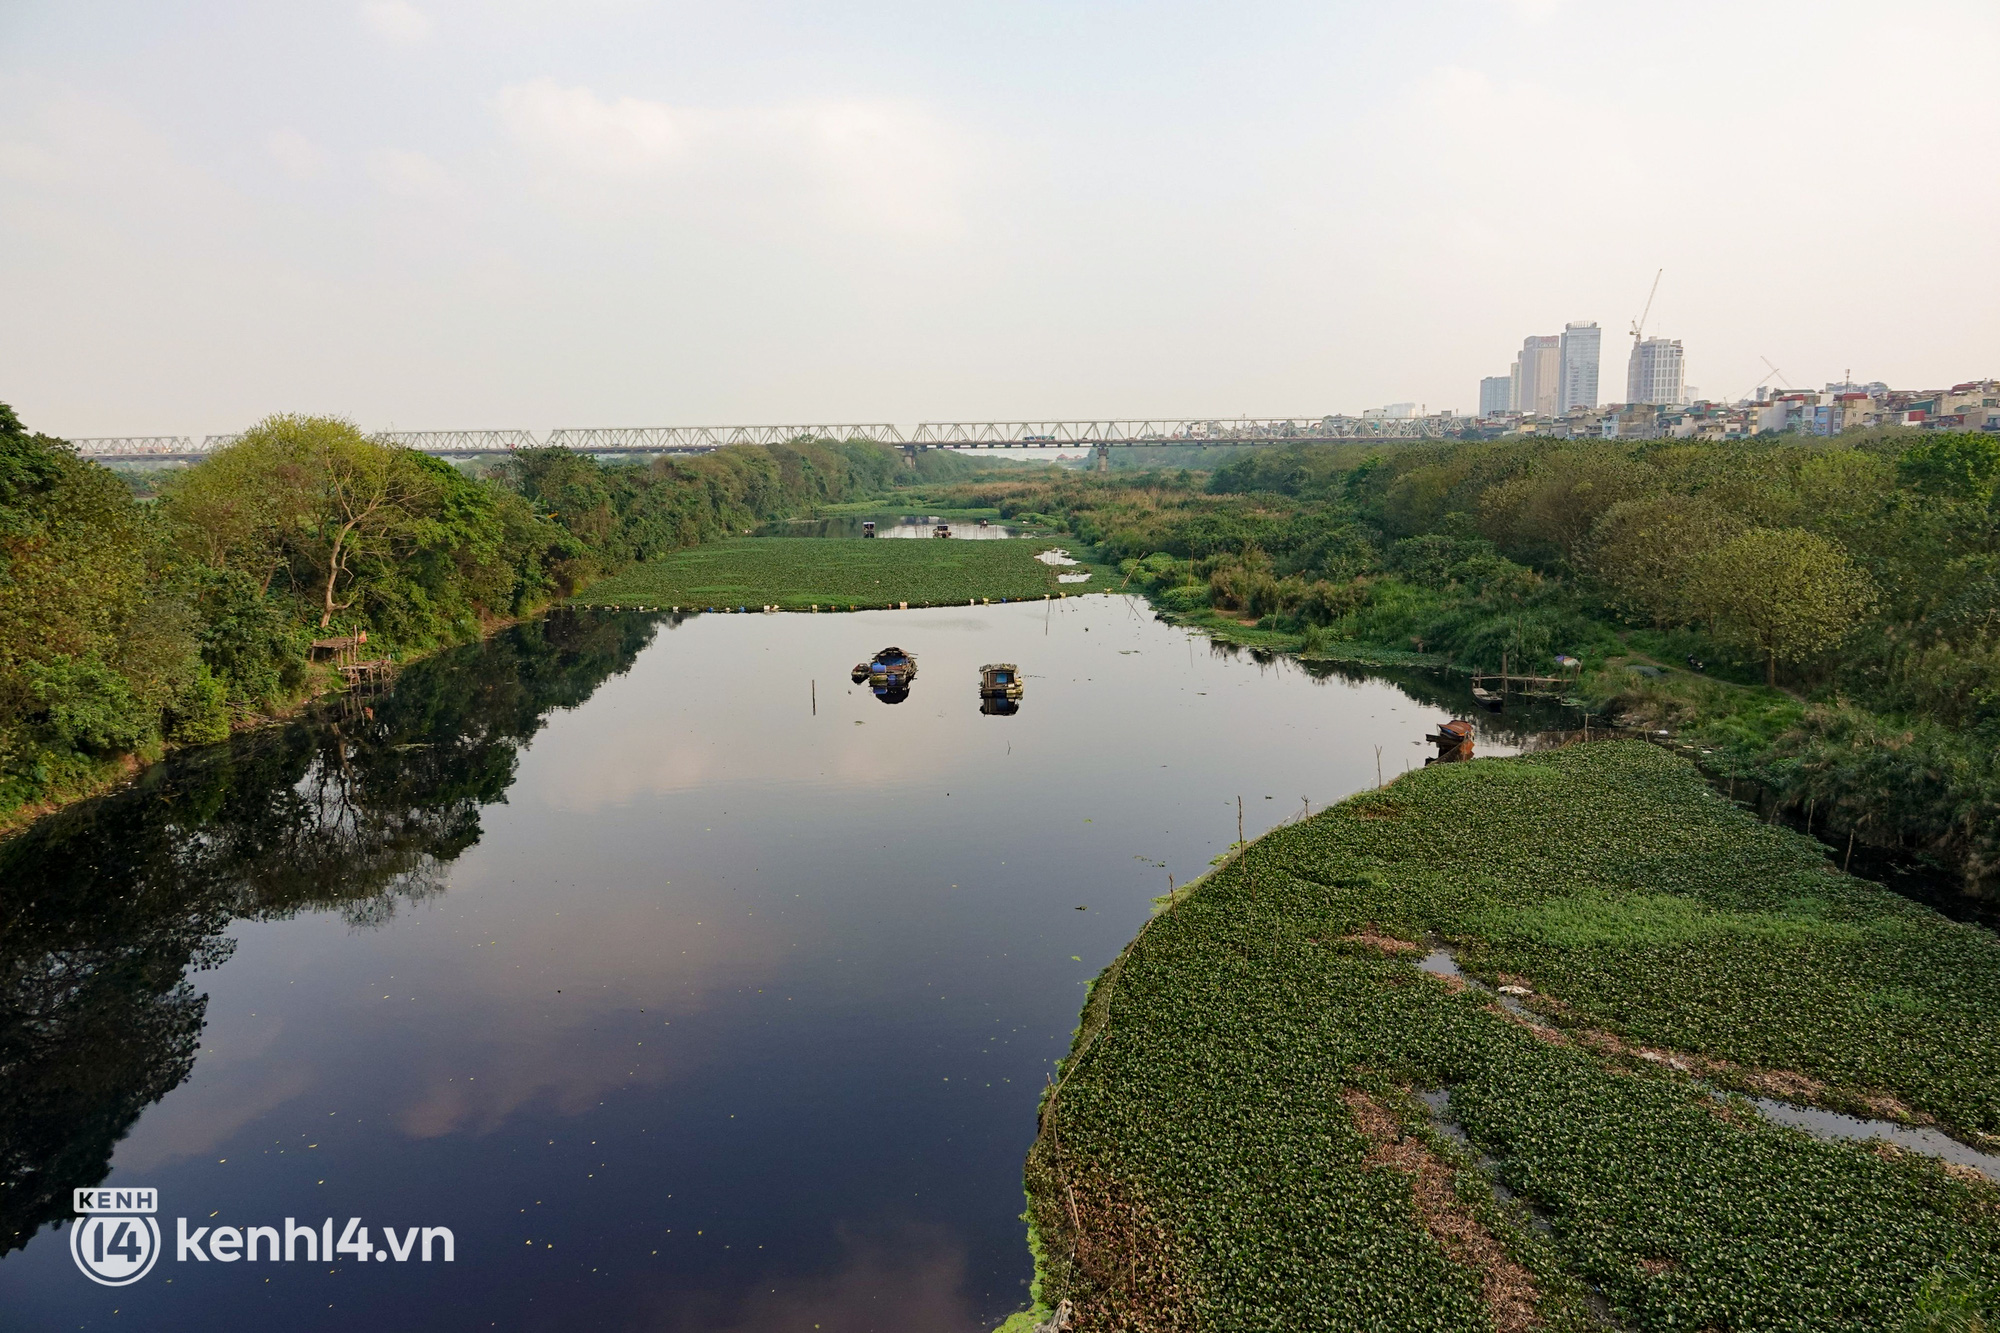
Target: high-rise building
1579, 366
1654, 373
1538, 375
1496, 394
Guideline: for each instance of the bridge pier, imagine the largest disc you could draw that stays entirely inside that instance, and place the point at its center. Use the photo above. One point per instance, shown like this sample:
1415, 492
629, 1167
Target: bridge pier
909, 455
1103, 453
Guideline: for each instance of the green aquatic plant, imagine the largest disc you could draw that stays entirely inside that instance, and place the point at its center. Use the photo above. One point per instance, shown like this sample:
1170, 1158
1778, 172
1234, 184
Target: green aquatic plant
1198, 1134
798, 573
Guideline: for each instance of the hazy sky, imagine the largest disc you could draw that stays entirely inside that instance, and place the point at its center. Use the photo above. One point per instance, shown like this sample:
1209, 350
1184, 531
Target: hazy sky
432, 213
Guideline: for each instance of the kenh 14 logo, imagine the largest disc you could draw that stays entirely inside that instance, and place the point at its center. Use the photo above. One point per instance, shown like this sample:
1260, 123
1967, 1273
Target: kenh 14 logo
116, 1239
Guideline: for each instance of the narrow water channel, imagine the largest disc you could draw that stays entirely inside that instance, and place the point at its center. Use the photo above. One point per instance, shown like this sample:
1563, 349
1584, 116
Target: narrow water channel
687, 983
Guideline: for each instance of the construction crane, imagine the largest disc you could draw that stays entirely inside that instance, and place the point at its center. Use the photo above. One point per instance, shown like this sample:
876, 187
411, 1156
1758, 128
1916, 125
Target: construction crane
1759, 385
1639, 324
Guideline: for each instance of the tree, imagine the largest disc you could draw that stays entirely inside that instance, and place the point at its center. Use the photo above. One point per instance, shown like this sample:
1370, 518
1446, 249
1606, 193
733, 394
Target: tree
1555, 504
227, 514
1643, 550
1961, 465
1785, 592
90, 661
311, 496
367, 497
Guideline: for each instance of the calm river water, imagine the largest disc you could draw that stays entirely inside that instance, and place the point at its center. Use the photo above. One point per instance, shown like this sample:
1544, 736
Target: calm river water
683, 1006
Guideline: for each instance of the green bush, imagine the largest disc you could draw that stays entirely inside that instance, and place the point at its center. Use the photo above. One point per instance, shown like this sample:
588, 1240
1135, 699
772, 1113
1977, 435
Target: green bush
84, 705
199, 713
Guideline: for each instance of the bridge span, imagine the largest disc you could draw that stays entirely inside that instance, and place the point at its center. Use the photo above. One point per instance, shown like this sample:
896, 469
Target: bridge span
1098, 436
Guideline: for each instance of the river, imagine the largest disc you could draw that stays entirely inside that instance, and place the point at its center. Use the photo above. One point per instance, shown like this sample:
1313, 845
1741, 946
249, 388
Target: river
689, 985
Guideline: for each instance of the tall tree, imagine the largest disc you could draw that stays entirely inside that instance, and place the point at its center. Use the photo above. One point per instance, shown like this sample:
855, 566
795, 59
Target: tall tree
1785, 592
1643, 551
309, 494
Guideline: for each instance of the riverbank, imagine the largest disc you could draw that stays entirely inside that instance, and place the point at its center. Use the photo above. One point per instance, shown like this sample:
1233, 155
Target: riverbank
799, 573
323, 682
792, 573
1272, 1118
1875, 717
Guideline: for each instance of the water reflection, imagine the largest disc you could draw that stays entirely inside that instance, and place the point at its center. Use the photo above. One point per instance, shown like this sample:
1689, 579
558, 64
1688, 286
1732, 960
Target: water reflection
107, 909
728, 990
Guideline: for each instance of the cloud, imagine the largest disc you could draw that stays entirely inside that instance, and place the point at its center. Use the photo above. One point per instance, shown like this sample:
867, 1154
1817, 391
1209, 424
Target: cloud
410, 175
1470, 129
873, 165
573, 130
396, 21
296, 155
1534, 11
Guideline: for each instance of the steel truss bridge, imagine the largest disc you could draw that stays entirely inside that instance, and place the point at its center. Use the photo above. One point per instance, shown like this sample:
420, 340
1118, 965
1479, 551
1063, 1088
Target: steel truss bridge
1098, 436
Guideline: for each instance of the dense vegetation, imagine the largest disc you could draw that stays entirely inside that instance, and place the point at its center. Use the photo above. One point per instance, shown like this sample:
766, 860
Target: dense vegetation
129, 626
797, 573
1236, 1141
1841, 597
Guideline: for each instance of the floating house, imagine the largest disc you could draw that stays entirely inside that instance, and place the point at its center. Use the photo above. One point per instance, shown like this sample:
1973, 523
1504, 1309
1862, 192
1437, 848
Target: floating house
888, 674
999, 680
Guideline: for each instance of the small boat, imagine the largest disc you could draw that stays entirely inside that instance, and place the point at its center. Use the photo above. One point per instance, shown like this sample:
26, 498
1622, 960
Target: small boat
868, 527
1487, 698
1453, 740
1453, 733
1000, 680
941, 530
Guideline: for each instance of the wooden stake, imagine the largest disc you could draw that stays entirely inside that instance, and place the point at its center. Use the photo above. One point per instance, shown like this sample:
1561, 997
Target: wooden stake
815, 698
1847, 860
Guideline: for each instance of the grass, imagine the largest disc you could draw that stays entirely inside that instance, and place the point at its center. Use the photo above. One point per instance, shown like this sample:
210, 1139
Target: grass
797, 573
1235, 1142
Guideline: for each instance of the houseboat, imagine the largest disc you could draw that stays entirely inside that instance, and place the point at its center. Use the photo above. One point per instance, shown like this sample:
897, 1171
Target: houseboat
1000, 680
888, 674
